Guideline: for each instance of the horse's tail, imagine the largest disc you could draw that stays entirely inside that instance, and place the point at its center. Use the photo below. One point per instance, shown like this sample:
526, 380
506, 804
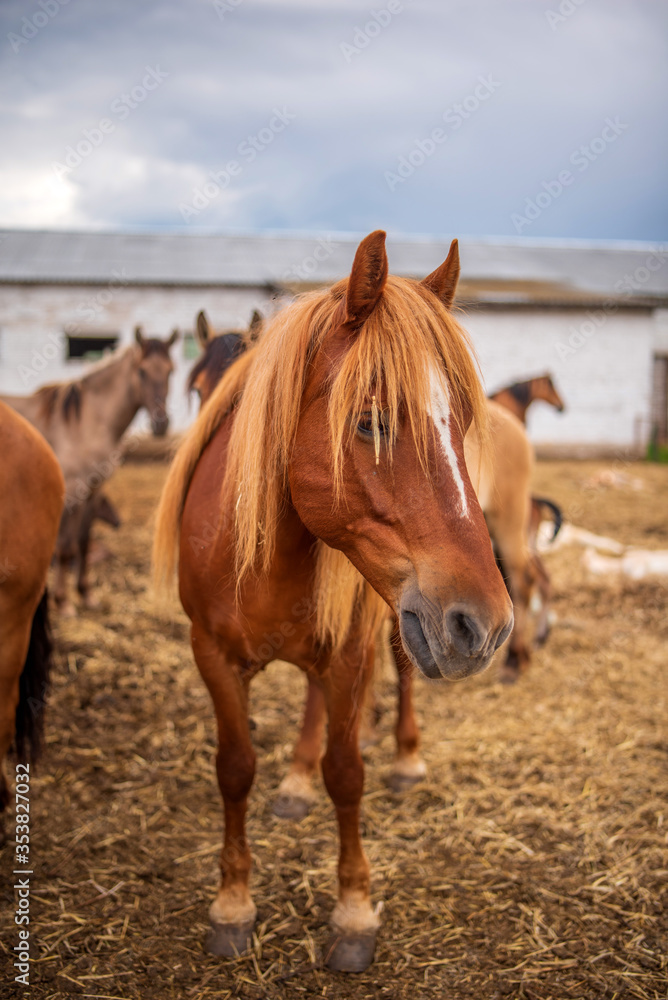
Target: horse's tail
175, 490
555, 511
33, 687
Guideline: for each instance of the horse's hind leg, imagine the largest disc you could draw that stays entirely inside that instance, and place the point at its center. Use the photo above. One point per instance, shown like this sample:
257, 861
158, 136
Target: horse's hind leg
354, 921
544, 585
517, 572
64, 555
408, 767
232, 912
295, 793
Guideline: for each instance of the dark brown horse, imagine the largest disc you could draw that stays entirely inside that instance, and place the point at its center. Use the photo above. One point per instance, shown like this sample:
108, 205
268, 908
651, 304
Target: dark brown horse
219, 350
30, 510
329, 465
519, 396
84, 422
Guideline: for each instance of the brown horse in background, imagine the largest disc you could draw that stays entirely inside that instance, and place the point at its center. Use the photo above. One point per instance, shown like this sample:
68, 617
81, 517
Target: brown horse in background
84, 422
519, 396
30, 510
219, 350
329, 465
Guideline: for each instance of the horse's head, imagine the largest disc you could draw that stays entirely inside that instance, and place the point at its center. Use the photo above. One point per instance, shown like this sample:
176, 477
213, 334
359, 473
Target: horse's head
377, 468
154, 366
544, 388
218, 353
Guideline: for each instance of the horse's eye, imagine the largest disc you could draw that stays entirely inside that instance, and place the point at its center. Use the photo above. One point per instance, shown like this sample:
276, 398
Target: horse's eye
365, 425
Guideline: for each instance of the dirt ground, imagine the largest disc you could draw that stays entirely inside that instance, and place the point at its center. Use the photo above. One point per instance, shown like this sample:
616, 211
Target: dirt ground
532, 862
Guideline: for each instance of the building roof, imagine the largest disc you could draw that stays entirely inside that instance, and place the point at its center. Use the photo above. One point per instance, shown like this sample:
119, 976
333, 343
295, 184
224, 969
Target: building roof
512, 272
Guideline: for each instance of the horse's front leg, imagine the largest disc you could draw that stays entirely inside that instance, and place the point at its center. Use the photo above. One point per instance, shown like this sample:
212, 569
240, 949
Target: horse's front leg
408, 767
83, 545
232, 912
295, 793
354, 921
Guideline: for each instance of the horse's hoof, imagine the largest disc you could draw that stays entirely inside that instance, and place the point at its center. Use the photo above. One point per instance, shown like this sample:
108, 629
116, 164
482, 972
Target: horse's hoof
291, 807
230, 940
350, 952
402, 782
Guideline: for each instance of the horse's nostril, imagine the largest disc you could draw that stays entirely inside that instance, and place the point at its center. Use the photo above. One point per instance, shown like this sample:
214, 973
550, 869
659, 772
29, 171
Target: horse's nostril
504, 633
466, 634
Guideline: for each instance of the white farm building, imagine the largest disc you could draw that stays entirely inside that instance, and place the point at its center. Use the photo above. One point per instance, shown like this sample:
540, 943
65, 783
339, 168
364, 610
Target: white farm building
594, 315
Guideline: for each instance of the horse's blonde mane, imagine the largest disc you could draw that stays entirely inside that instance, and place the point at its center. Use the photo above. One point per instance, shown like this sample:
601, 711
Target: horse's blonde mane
408, 336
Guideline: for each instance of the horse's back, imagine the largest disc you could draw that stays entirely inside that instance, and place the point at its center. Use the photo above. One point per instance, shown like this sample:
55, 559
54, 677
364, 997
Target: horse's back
501, 472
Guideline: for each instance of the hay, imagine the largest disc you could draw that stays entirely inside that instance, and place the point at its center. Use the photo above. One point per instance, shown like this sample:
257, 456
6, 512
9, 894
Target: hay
532, 862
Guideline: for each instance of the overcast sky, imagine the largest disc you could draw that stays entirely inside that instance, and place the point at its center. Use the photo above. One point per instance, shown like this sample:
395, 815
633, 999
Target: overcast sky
541, 118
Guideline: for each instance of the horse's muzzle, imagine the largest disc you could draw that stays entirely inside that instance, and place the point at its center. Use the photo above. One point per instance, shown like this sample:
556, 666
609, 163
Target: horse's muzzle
450, 643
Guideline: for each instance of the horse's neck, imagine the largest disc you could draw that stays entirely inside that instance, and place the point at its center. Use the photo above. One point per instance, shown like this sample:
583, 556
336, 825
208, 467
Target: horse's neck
112, 402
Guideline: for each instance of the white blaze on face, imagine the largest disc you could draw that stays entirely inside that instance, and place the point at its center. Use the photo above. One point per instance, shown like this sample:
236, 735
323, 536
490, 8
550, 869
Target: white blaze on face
440, 414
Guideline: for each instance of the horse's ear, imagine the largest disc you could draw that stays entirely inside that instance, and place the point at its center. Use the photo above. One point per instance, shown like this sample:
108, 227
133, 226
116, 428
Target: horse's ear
367, 278
203, 329
139, 337
443, 281
174, 337
255, 325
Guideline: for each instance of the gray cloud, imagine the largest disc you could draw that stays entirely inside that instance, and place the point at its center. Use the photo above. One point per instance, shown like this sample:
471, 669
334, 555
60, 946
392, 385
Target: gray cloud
358, 112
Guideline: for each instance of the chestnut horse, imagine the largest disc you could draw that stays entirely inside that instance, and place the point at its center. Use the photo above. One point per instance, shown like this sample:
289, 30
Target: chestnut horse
329, 467
503, 491
30, 510
84, 422
519, 396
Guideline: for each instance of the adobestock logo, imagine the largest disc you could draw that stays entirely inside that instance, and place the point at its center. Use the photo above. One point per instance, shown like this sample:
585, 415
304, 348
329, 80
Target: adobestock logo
32, 25
121, 107
454, 117
363, 36
582, 158
248, 150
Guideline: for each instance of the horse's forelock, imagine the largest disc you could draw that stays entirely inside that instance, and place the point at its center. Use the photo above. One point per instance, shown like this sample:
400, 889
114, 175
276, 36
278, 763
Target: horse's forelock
409, 336
153, 345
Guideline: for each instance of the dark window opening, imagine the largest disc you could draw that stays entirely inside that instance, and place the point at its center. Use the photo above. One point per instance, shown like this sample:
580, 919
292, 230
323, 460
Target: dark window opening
90, 348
